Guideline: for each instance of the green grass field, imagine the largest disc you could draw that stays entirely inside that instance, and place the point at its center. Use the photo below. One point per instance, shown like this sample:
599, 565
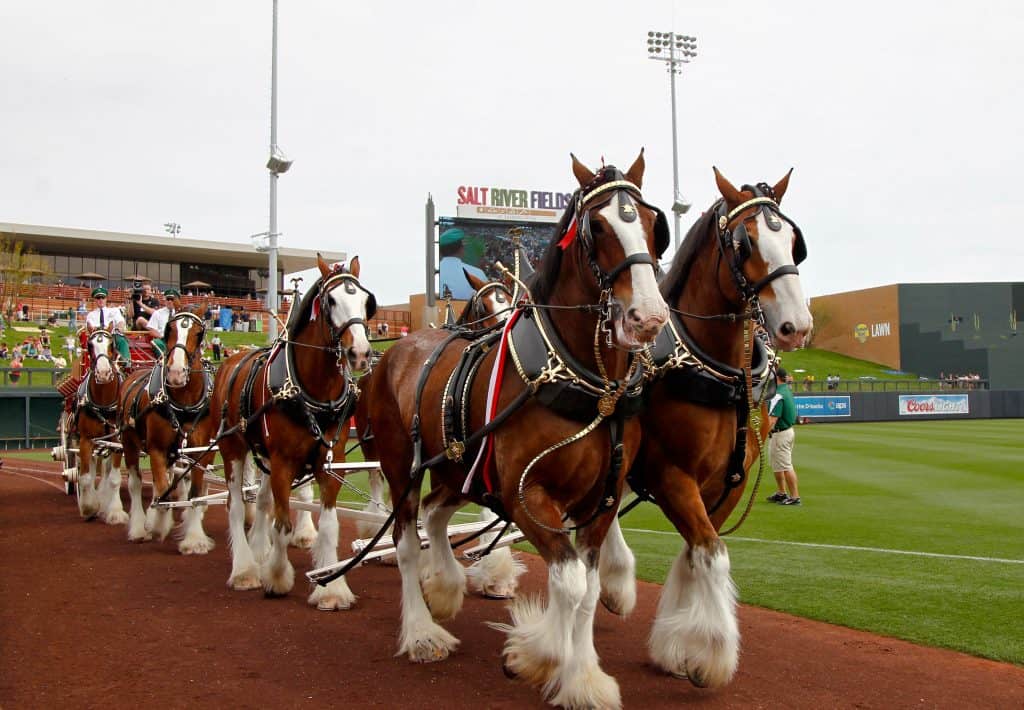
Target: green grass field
949, 494
949, 489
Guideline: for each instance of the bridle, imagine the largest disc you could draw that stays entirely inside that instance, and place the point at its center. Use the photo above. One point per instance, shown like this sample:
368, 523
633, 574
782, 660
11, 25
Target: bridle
476, 310
351, 285
94, 358
734, 243
609, 185
196, 321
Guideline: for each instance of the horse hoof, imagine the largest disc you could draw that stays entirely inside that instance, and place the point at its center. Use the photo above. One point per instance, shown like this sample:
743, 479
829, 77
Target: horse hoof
507, 669
695, 678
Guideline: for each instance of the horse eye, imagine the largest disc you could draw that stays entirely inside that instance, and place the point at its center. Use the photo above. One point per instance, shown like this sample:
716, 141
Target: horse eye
500, 297
350, 288
330, 301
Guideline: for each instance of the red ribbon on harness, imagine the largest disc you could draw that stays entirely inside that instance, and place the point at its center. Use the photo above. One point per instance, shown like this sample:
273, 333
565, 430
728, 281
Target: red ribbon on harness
570, 234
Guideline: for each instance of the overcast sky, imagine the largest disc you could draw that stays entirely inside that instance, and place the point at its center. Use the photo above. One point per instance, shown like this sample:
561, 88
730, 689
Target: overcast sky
902, 120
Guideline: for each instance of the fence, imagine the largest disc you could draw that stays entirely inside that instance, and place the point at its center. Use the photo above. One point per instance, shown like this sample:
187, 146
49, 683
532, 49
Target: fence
872, 385
28, 418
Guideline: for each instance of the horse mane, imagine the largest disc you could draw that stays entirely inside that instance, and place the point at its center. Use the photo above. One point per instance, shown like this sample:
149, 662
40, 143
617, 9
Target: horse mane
672, 284
299, 315
543, 280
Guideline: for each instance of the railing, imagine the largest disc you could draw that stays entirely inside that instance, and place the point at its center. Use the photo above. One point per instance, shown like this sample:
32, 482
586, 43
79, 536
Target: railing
32, 376
872, 385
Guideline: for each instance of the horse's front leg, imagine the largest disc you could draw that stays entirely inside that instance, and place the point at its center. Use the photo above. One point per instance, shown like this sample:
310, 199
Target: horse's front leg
421, 638
136, 513
336, 595
443, 579
245, 571
113, 508
696, 633
552, 647
159, 521
276, 572
365, 528
195, 541
618, 572
88, 499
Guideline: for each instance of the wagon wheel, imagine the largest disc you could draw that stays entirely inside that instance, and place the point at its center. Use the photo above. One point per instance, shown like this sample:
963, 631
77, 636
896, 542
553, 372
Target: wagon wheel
67, 439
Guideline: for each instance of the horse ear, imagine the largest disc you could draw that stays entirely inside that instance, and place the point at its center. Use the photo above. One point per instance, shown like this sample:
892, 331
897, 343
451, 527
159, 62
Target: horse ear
635, 174
353, 266
732, 196
474, 281
583, 174
322, 265
780, 187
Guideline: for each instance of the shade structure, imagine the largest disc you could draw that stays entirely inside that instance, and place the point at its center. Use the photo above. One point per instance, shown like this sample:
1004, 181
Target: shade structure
138, 277
197, 284
90, 276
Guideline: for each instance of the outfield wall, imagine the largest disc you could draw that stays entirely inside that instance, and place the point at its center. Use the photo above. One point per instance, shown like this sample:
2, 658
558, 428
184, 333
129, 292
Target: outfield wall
895, 406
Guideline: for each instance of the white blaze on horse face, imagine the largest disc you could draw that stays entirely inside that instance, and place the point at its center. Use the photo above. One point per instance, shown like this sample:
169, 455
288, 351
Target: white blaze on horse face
102, 344
787, 305
644, 318
497, 304
177, 369
348, 302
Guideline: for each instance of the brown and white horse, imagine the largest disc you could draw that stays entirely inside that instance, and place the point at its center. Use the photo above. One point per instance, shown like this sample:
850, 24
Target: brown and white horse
554, 459
495, 575
162, 410
737, 260
291, 404
96, 416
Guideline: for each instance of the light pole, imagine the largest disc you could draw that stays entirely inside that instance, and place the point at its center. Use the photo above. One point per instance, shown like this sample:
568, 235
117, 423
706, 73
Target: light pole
277, 165
172, 228
675, 50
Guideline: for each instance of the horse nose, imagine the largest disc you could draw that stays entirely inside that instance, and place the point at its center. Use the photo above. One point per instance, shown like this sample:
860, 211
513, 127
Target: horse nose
787, 328
358, 359
646, 325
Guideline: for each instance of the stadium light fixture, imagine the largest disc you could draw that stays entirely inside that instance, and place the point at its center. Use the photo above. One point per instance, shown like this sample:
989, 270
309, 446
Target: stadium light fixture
172, 228
278, 164
674, 50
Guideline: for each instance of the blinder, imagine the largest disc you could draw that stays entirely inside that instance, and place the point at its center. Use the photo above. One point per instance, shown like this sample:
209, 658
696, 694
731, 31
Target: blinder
351, 286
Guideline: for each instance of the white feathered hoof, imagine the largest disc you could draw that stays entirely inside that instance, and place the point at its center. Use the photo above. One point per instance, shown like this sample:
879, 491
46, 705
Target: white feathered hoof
118, 517
304, 539
496, 576
245, 581
333, 597
197, 546
429, 645
589, 687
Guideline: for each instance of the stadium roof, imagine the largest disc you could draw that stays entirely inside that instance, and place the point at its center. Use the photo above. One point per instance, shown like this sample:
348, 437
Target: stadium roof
90, 242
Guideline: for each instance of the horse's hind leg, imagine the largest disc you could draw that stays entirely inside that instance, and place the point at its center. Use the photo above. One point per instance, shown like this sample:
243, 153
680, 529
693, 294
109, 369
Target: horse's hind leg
618, 572
496, 575
442, 578
336, 595
304, 534
421, 638
695, 634
365, 528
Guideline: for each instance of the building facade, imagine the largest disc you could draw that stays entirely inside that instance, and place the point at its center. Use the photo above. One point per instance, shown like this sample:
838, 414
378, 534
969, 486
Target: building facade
929, 329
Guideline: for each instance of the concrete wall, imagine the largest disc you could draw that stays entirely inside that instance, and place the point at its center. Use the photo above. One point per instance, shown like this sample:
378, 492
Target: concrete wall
862, 324
885, 406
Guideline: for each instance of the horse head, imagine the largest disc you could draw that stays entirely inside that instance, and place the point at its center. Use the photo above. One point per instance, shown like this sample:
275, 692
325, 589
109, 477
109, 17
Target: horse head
184, 338
101, 355
346, 306
763, 248
491, 303
620, 238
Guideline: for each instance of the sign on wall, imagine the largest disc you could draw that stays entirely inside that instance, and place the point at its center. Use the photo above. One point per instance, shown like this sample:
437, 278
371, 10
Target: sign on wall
929, 404
823, 406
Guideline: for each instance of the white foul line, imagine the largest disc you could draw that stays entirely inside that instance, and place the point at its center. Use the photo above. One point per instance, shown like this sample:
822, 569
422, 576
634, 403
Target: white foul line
855, 548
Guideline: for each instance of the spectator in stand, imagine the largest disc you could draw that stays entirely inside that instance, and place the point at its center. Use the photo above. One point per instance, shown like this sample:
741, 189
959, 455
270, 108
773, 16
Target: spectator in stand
45, 354
15, 373
30, 348
144, 303
44, 338
5, 354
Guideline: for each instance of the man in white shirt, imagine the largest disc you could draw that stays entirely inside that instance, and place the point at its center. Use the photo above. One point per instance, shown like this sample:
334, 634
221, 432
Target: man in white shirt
161, 317
104, 316
451, 268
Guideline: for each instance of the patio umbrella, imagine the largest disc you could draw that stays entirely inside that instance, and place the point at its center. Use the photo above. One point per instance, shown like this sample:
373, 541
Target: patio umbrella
197, 284
137, 277
90, 276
